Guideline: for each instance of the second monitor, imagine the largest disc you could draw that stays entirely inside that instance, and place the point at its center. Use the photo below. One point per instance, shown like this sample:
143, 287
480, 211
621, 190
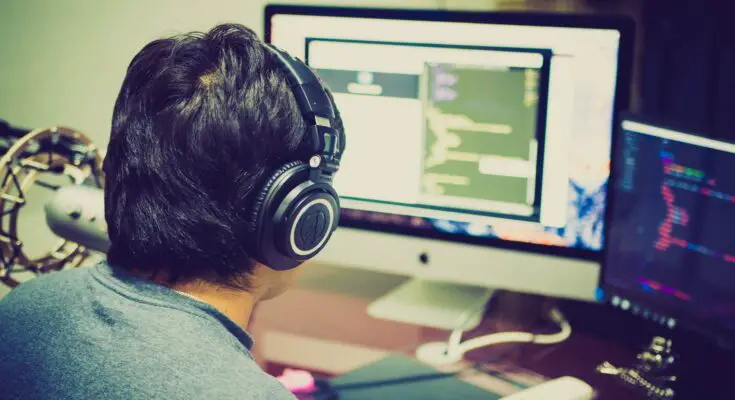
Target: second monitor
671, 256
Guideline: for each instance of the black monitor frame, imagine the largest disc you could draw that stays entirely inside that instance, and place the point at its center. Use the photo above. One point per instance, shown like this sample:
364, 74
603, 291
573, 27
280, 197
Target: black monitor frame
723, 337
623, 24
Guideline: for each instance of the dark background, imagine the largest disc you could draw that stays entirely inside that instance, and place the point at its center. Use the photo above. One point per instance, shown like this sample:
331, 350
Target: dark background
688, 66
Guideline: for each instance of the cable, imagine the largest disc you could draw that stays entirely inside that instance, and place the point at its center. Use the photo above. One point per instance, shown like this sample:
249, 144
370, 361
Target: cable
455, 339
454, 342
329, 391
404, 379
520, 337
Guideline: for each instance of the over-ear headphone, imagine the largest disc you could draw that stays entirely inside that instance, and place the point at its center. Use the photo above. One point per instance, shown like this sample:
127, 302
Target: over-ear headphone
296, 209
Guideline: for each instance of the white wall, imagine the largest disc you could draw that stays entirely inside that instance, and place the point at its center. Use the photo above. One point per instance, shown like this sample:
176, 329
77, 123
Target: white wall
62, 61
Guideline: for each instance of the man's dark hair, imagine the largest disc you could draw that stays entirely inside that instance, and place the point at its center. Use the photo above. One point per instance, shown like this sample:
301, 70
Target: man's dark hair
199, 123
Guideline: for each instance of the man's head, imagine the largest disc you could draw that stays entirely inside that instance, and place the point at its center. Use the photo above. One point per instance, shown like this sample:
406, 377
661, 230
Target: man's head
201, 120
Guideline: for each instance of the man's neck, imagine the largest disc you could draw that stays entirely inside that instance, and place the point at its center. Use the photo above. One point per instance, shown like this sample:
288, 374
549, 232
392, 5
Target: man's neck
237, 305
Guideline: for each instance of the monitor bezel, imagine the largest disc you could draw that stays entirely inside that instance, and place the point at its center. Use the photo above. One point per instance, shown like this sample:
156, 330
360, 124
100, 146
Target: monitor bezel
723, 336
623, 24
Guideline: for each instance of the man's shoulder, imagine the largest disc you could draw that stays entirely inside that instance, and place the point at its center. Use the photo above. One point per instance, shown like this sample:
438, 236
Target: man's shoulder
96, 343
45, 290
55, 281
177, 375
120, 374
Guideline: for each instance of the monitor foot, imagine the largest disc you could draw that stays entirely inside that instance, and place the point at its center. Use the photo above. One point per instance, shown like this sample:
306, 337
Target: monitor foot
434, 304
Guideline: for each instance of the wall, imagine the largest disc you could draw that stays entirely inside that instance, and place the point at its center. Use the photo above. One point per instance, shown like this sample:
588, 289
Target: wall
62, 62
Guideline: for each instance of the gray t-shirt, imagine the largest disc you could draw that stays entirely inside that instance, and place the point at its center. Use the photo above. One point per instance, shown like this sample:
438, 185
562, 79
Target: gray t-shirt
100, 333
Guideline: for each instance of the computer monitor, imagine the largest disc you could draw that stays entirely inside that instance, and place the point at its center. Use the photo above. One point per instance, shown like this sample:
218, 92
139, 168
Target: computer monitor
670, 254
478, 144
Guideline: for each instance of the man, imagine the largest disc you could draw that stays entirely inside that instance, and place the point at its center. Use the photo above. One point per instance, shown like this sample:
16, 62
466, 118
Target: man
200, 122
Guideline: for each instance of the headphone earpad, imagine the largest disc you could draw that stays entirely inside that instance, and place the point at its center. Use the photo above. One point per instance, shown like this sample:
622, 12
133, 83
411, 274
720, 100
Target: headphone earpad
258, 203
309, 222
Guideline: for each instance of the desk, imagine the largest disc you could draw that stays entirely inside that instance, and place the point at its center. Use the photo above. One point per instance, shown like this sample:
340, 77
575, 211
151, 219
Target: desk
321, 325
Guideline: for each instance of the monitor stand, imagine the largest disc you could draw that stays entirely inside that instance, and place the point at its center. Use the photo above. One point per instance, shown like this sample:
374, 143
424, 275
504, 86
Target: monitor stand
434, 304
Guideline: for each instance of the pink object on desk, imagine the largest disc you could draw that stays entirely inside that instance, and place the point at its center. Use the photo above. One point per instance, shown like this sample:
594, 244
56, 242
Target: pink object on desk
297, 381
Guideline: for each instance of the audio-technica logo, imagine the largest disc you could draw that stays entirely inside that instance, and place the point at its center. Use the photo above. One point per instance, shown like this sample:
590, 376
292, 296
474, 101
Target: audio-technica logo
312, 228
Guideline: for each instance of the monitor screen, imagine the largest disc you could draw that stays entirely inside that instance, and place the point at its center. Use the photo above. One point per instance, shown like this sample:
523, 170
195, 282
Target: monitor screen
670, 249
492, 130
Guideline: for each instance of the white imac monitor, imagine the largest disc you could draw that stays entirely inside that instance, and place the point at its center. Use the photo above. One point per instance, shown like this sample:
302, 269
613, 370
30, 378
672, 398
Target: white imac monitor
478, 144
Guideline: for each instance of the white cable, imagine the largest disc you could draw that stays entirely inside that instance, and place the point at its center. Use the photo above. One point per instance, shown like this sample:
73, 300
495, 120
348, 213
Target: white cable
520, 337
455, 339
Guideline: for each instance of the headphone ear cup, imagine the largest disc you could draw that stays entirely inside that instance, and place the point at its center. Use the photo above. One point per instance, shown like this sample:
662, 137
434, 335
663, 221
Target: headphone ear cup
258, 204
292, 217
308, 225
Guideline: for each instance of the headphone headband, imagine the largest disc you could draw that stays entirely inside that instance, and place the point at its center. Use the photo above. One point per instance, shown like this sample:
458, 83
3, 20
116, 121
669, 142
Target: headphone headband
318, 111
296, 209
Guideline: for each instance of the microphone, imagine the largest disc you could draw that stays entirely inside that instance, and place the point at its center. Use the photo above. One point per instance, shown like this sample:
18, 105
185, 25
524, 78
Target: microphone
77, 213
